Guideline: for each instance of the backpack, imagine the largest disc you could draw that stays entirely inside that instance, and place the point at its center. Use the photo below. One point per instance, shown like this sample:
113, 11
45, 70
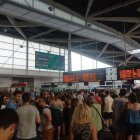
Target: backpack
56, 115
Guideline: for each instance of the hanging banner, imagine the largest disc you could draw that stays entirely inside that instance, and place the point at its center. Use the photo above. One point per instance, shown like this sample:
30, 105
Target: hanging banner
49, 61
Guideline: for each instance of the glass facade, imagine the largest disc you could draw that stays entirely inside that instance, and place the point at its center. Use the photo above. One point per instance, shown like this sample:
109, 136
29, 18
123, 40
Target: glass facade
13, 54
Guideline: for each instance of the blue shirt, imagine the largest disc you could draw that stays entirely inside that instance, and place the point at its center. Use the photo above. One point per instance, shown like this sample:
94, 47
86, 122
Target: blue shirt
11, 105
132, 116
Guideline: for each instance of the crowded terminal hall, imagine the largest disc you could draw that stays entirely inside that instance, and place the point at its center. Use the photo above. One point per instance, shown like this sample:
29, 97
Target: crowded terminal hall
69, 69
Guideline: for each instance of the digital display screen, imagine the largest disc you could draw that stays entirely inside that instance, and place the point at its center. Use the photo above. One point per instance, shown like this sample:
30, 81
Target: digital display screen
84, 76
129, 73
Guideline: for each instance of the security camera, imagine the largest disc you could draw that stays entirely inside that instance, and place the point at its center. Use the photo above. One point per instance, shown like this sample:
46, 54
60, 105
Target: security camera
51, 8
89, 24
21, 46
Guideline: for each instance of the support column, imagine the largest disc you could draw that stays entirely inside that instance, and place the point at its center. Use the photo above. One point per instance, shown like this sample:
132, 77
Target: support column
59, 67
69, 52
27, 55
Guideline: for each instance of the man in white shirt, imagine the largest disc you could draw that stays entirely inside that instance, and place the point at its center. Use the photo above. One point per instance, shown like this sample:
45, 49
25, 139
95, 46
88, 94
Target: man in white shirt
28, 119
107, 110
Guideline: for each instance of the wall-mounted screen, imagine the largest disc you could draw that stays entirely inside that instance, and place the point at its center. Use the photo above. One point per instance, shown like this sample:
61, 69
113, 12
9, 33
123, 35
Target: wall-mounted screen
49, 61
84, 76
129, 72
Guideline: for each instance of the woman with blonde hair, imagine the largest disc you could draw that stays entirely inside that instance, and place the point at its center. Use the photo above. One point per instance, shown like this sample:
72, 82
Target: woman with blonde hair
81, 124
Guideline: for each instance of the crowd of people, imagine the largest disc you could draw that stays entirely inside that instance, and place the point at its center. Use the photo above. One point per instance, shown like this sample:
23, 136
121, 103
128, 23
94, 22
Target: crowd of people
73, 115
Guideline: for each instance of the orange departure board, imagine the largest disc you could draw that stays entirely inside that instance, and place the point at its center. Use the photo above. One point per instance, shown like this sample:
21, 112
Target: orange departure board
129, 73
84, 76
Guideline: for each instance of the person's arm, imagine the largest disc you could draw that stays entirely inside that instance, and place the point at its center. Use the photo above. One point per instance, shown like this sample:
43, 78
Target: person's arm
105, 100
47, 115
71, 134
113, 106
94, 132
37, 118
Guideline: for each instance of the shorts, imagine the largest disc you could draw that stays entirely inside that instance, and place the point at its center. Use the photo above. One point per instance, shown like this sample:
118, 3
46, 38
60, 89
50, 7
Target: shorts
133, 129
107, 115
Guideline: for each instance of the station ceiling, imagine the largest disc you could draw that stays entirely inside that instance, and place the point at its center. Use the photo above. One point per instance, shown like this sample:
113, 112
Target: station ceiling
121, 16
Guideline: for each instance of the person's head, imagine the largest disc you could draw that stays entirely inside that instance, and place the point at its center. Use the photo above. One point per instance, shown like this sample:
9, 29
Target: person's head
96, 92
42, 101
91, 100
17, 95
107, 92
68, 101
82, 114
8, 122
74, 103
45, 94
26, 97
132, 98
122, 92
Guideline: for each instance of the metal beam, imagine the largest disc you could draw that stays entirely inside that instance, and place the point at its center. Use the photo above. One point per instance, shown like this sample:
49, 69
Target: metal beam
64, 40
133, 28
114, 7
5, 23
13, 22
103, 50
117, 19
135, 36
92, 51
88, 7
55, 4
135, 33
83, 45
42, 33
125, 61
111, 56
134, 62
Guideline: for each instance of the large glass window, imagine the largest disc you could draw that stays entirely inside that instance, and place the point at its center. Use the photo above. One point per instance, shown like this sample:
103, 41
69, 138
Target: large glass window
13, 55
82, 63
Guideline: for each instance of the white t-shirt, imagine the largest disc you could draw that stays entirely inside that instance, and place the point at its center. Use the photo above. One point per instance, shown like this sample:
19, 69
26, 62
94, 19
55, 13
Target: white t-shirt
27, 122
108, 104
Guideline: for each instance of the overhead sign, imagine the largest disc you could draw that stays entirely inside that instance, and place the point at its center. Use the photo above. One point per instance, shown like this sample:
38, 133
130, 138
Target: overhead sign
49, 61
129, 72
84, 76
